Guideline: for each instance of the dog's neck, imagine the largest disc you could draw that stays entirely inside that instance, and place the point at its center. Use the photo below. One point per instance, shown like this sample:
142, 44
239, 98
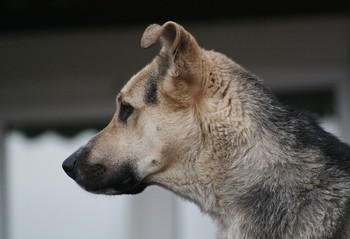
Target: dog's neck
233, 147
227, 125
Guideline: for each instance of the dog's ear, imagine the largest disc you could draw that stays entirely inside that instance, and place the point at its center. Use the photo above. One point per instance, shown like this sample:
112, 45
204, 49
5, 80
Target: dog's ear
175, 39
182, 53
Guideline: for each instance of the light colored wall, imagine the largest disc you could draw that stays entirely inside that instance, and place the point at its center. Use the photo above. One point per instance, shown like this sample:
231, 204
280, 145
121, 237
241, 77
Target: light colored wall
343, 108
3, 203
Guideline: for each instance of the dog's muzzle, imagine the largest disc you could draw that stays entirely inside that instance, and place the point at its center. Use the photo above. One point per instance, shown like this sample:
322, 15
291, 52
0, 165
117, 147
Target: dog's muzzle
97, 178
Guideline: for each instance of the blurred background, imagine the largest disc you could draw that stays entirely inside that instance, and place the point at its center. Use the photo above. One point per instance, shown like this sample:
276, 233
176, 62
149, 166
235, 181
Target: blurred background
62, 62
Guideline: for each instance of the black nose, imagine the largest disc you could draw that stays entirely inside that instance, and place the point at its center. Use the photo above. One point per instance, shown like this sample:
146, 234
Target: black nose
70, 163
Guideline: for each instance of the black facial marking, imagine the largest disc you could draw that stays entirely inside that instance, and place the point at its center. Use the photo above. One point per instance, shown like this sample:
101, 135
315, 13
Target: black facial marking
96, 178
151, 89
125, 111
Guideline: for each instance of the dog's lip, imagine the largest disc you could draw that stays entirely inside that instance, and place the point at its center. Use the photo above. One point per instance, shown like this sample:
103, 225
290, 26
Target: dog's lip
138, 188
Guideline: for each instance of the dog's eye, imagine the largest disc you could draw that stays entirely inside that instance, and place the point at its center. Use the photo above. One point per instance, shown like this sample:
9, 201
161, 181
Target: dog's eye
125, 111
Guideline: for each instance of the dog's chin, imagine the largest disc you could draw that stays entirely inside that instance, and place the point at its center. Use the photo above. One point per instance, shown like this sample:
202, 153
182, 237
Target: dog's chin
118, 190
135, 190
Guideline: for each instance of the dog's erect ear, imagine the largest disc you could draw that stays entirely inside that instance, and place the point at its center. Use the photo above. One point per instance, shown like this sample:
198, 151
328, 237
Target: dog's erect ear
181, 50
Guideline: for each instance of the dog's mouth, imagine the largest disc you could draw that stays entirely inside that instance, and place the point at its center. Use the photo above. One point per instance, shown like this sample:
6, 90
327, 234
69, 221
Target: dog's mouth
118, 184
99, 179
110, 186
117, 191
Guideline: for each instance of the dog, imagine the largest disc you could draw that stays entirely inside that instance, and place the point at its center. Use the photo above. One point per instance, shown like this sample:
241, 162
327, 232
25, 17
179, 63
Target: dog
195, 122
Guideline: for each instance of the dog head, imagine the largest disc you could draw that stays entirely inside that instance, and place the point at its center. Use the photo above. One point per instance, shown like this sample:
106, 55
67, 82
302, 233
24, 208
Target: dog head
157, 123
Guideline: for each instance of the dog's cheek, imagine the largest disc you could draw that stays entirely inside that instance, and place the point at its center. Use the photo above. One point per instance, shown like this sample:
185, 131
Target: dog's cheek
149, 165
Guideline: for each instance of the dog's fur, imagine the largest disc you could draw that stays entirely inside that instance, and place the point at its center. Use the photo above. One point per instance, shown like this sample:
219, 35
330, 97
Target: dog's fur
195, 122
